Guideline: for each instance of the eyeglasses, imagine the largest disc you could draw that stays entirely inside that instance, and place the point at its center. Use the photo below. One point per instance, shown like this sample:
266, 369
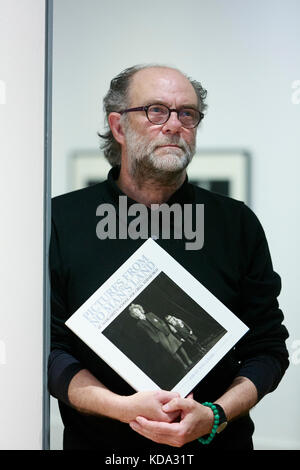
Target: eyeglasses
160, 113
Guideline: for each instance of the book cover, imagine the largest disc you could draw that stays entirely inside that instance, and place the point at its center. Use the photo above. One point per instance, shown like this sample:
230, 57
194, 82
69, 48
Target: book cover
155, 324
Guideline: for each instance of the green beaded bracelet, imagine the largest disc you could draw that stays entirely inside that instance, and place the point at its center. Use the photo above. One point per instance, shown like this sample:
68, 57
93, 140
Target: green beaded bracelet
215, 425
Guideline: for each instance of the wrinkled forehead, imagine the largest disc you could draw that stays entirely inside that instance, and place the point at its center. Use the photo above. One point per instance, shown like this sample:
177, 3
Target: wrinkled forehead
161, 85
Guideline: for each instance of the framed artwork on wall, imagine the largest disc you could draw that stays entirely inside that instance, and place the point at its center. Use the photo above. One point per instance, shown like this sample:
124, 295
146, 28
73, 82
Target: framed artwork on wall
222, 171
225, 172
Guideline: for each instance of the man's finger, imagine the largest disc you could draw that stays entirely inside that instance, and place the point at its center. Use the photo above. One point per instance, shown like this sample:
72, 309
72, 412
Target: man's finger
166, 396
163, 433
175, 405
160, 427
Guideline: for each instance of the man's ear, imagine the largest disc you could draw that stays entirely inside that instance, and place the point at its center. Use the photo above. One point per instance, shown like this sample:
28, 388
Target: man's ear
116, 127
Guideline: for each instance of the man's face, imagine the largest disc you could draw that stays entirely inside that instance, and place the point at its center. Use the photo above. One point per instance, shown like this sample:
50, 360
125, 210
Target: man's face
138, 312
166, 147
171, 320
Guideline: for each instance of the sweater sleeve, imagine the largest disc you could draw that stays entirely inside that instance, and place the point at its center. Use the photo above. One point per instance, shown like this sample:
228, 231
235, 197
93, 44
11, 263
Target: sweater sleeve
262, 351
264, 371
62, 365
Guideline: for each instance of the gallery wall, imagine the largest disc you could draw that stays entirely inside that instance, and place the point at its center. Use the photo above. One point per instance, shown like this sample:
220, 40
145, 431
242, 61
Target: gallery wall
22, 177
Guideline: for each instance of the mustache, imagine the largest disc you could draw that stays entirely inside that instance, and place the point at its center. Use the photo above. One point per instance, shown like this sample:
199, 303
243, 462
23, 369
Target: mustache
178, 141
143, 145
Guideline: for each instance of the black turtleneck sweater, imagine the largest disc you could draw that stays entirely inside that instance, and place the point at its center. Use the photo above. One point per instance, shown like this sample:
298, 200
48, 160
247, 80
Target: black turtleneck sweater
234, 264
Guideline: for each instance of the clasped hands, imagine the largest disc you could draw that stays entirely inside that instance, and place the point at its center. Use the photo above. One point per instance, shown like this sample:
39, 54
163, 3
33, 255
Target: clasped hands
166, 418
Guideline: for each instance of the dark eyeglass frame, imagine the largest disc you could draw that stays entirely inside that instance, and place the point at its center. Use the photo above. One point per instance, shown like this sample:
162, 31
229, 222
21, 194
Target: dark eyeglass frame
178, 111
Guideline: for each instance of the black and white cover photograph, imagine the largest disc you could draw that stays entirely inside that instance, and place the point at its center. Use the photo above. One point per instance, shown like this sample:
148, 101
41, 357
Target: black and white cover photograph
164, 332
155, 324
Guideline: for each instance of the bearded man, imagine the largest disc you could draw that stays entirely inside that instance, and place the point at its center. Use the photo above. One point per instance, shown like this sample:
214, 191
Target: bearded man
153, 113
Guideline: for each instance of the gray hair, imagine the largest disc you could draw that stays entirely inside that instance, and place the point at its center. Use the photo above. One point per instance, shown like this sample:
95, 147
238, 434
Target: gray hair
117, 99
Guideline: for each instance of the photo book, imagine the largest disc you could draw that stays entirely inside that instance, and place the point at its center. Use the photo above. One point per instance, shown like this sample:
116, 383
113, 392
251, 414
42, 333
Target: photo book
155, 324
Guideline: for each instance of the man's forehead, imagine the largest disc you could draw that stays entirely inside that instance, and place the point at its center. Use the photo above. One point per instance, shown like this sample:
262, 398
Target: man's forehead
160, 83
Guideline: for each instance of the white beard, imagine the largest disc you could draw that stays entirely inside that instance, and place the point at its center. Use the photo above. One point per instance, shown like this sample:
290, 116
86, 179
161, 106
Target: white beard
146, 158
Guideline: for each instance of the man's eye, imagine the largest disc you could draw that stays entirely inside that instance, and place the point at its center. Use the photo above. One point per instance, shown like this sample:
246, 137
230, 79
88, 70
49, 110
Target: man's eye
157, 109
186, 113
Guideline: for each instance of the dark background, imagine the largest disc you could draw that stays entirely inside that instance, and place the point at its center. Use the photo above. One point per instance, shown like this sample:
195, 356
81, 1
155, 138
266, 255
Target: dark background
162, 297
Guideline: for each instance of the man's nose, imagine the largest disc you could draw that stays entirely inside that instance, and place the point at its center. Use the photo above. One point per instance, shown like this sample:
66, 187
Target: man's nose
173, 125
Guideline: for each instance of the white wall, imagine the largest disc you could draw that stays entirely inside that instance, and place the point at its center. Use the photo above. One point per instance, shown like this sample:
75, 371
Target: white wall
247, 55
22, 56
